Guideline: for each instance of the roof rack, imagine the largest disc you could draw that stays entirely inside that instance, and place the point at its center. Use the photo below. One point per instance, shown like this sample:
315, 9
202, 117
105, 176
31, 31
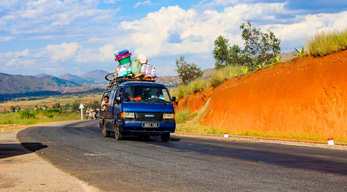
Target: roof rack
115, 81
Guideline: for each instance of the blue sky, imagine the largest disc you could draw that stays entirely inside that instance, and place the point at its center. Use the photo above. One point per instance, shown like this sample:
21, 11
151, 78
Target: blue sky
76, 36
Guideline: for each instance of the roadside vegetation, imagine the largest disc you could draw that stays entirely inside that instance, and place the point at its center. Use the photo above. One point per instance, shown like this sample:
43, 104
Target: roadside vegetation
217, 78
325, 43
188, 122
19, 114
28, 117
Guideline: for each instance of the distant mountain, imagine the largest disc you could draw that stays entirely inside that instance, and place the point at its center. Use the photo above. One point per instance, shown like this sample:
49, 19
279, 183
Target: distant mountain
96, 77
43, 75
169, 81
286, 56
207, 73
14, 84
73, 78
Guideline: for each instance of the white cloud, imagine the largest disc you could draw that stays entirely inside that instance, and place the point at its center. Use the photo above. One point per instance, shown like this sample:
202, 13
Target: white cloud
54, 17
111, 1
6, 38
195, 32
61, 52
140, 3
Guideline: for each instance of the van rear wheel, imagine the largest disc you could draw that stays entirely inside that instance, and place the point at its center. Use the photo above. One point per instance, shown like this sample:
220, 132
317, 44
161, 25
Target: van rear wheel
165, 137
117, 134
104, 131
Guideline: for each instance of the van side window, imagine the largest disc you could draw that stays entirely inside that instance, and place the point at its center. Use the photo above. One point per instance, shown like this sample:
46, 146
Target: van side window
119, 94
105, 101
112, 97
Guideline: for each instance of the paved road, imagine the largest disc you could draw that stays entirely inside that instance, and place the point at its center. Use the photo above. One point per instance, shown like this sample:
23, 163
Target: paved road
186, 164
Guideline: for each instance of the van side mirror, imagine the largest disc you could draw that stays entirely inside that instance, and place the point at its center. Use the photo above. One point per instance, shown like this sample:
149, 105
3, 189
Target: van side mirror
173, 99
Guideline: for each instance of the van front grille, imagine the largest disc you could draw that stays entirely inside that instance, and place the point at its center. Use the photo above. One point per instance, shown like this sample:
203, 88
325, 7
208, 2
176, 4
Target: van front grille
149, 116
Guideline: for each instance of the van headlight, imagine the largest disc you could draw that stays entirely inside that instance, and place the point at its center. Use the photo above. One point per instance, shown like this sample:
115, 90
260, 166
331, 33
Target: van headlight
168, 116
128, 115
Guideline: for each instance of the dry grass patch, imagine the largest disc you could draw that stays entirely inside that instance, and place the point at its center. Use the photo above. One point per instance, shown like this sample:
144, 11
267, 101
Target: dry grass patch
325, 43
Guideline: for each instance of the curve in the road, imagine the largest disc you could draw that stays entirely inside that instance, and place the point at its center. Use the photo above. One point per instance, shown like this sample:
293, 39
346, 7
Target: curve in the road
186, 164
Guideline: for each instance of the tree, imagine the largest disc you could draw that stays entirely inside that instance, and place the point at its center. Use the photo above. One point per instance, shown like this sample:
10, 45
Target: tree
187, 72
261, 47
13, 108
56, 105
76, 106
221, 52
238, 57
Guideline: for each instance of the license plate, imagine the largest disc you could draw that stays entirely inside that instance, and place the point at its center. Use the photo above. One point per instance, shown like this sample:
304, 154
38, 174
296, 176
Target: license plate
150, 125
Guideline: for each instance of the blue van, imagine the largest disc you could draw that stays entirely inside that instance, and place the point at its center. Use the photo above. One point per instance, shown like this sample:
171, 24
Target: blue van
137, 108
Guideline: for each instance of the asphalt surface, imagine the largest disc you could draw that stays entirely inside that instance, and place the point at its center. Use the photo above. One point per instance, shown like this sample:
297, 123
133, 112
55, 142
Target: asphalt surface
185, 164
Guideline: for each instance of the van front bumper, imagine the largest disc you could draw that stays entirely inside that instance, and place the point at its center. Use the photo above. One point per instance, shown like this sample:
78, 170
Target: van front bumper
167, 126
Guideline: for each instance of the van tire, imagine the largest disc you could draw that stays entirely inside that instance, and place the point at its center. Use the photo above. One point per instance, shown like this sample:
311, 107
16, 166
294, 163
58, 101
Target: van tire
165, 137
104, 131
117, 134
101, 124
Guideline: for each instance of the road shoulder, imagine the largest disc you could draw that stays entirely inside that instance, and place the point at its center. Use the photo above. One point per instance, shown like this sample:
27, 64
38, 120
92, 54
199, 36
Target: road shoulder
261, 140
23, 170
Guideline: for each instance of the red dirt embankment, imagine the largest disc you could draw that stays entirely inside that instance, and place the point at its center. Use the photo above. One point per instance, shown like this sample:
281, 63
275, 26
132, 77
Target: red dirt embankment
194, 102
306, 96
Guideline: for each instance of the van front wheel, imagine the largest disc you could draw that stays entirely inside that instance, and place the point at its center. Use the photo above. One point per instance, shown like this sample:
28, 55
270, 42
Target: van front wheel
165, 137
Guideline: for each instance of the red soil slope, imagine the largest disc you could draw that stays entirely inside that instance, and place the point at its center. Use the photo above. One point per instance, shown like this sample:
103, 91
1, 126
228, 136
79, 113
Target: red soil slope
307, 96
194, 102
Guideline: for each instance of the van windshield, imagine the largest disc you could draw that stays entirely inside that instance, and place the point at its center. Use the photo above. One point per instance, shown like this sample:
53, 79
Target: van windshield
146, 94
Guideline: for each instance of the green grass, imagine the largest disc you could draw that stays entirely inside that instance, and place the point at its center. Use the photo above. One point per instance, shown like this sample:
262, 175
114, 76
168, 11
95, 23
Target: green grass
17, 118
182, 116
325, 43
217, 78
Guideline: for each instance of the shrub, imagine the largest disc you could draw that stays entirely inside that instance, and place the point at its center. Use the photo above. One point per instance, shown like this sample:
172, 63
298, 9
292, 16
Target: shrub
325, 43
53, 110
182, 116
217, 78
27, 114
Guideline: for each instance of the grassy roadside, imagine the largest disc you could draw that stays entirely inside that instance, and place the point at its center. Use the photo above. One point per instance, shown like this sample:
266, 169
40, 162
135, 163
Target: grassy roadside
10, 121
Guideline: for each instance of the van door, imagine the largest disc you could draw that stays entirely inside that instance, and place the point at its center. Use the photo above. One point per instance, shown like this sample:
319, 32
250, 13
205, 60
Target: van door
103, 110
118, 104
109, 114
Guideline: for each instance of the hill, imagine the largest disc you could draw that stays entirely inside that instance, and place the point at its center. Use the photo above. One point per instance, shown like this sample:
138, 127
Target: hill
73, 78
96, 77
15, 84
174, 81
